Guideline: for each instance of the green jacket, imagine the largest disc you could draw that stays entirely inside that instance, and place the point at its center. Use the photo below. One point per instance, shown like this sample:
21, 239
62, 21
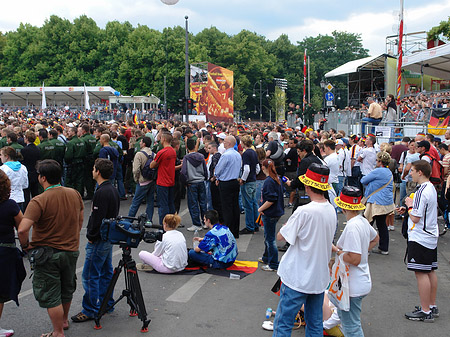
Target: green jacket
60, 150
16, 146
47, 150
3, 142
75, 151
90, 142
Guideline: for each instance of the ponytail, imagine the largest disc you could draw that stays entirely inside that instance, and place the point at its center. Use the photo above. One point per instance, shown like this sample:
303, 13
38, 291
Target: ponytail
270, 166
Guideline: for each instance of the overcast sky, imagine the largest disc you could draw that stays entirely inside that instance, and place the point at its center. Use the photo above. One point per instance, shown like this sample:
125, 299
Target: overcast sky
374, 20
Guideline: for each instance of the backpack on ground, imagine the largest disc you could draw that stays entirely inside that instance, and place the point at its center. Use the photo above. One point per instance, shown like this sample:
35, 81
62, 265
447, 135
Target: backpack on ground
147, 172
437, 171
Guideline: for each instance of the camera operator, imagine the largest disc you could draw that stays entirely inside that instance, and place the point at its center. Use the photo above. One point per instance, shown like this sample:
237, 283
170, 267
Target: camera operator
56, 216
170, 254
98, 270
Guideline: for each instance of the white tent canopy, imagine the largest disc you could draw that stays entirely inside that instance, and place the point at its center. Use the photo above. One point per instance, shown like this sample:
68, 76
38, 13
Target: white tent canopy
434, 62
371, 62
55, 96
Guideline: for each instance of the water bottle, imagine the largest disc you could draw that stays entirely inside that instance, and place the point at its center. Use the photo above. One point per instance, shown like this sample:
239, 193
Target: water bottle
195, 242
268, 313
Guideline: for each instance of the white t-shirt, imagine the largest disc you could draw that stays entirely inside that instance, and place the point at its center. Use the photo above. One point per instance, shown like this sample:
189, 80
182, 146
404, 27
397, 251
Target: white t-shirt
332, 161
426, 231
369, 156
355, 150
355, 238
345, 166
19, 181
173, 250
309, 231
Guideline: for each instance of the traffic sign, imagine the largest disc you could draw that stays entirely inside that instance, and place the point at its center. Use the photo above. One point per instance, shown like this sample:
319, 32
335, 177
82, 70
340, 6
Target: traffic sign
329, 96
329, 87
329, 103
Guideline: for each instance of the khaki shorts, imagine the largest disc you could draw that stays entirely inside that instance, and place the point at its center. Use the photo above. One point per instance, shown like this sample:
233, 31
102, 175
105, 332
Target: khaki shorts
55, 282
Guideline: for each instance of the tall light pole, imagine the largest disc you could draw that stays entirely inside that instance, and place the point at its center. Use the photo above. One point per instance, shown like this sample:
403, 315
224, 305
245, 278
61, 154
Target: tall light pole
260, 96
186, 74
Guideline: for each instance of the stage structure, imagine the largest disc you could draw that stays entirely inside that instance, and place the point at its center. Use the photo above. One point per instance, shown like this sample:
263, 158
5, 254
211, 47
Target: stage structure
212, 87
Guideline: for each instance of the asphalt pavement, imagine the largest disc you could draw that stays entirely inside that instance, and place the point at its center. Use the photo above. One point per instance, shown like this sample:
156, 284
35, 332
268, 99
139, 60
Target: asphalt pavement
209, 305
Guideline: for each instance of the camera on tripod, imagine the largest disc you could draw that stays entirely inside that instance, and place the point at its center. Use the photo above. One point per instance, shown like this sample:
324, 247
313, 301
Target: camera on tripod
129, 231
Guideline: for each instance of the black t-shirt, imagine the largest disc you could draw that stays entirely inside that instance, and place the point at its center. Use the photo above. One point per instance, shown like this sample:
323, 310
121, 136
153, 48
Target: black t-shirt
8, 210
274, 147
250, 158
291, 166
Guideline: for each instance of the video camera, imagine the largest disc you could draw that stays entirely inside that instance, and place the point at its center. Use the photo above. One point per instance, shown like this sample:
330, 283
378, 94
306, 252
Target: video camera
129, 231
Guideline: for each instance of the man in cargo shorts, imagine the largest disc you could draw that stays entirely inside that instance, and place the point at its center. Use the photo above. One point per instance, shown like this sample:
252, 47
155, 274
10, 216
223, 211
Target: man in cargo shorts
56, 216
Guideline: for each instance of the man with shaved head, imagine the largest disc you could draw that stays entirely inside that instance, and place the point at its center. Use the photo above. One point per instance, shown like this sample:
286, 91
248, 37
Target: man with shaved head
227, 173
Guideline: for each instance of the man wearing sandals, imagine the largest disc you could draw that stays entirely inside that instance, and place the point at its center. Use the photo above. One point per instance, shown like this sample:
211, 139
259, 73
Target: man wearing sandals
56, 216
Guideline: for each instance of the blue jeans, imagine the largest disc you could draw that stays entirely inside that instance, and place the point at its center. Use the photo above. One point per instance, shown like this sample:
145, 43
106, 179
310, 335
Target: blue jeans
209, 204
351, 320
241, 206
208, 260
97, 274
290, 303
165, 201
146, 191
248, 191
366, 120
270, 255
259, 186
196, 196
119, 180
402, 192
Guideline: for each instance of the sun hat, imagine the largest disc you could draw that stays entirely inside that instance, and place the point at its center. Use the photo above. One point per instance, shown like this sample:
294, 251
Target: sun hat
350, 199
316, 176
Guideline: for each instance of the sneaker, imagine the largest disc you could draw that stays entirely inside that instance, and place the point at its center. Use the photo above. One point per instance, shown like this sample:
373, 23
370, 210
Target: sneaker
267, 268
246, 231
283, 248
419, 315
143, 267
260, 259
193, 228
6, 333
379, 251
391, 228
434, 311
290, 205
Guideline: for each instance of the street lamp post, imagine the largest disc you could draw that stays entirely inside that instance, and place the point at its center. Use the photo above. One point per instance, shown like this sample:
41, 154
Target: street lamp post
260, 96
186, 74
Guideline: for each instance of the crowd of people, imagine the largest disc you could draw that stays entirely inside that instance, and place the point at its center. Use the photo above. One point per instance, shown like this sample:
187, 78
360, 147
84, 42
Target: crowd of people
224, 170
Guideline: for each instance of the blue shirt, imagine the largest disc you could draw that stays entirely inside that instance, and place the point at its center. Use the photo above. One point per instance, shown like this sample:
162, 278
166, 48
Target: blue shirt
229, 165
273, 192
376, 179
221, 242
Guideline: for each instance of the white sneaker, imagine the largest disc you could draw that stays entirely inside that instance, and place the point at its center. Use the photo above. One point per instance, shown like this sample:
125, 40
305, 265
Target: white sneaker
391, 228
205, 227
193, 228
142, 267
6, 333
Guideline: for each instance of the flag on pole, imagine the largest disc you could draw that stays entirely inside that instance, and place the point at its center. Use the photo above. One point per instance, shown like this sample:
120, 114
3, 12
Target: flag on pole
44, 101
135, 118
86, 99
400, 55
304, 81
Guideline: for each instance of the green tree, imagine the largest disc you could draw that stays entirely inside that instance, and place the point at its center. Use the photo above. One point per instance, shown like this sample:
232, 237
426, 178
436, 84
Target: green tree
442, 30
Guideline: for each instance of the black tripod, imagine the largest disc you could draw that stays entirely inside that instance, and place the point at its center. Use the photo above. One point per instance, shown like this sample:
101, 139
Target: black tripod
132, 292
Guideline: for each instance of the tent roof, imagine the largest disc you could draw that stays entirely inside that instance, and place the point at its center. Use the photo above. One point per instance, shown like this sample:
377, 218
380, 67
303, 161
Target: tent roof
437, 59
371, 62
57, 94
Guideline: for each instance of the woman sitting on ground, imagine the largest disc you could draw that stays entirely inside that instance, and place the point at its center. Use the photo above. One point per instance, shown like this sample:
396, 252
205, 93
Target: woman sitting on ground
170, 254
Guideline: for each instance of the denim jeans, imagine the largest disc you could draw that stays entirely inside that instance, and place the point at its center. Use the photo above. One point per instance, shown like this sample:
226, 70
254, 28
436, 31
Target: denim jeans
97, 274
196, 198
165, 201
259, 186
372, 121
290, 303
207, 260
351, 320
119, 180
248, 191
270, 255
209, 204
241, 206
146, 191
402, 191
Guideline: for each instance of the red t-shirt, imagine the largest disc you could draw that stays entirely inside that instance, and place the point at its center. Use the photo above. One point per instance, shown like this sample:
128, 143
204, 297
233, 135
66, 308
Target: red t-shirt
166, 166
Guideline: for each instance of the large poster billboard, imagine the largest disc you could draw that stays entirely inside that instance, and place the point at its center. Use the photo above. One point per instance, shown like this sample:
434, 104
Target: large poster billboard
199, 94
220, 94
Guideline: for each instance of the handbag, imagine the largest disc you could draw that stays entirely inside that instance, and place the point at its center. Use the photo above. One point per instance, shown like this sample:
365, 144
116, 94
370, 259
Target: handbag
364, 199
339, 292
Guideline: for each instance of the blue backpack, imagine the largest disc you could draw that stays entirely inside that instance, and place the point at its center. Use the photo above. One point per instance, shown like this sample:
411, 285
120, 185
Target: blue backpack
147, 172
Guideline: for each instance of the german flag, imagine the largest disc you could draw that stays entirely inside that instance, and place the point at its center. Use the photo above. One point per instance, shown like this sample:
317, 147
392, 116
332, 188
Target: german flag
135, 118
79, 116
438, 121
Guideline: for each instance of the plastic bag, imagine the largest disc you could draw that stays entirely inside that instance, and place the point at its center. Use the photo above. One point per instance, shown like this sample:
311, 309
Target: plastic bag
339, 293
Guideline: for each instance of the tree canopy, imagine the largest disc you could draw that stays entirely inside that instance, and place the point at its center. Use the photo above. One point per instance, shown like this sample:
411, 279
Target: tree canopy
134, 60
443, 29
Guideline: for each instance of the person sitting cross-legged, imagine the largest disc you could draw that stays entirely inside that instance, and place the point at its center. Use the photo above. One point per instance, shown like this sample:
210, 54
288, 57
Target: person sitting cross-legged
219, 241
